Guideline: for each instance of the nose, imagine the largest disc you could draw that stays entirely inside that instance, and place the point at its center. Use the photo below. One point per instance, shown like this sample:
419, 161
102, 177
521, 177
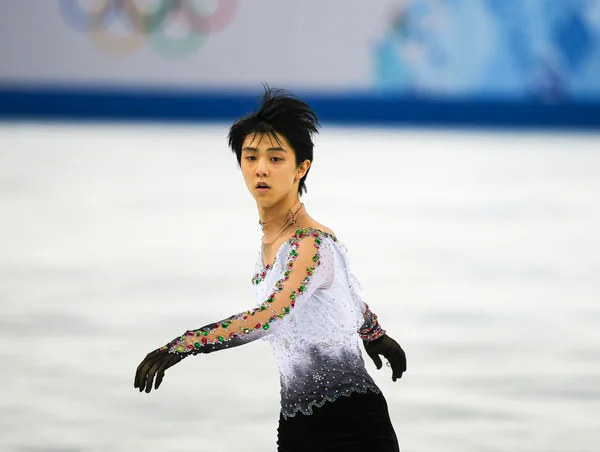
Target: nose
261, 168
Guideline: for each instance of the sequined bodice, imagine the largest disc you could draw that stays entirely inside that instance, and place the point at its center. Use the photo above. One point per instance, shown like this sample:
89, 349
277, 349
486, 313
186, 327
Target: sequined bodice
317, 346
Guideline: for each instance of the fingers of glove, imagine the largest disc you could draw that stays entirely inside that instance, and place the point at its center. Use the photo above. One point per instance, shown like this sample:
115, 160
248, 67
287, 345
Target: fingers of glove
397, 365
159, 378
148, 360
171, 361
139, 372
376, 359
142, 370
403, 360
151, 373
145, 371
393, 348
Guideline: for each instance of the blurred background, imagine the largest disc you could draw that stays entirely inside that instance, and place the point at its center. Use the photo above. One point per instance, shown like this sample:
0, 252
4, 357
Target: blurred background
459, 162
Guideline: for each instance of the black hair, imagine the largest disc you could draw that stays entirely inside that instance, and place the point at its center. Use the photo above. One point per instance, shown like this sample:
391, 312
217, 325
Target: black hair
282, 113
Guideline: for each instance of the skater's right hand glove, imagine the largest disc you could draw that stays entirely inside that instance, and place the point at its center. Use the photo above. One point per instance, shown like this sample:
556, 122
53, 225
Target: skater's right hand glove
155, 364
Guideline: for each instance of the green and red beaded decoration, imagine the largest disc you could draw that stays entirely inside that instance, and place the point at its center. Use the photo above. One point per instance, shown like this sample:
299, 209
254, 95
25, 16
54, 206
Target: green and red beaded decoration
260, 277
181, 344
373, 330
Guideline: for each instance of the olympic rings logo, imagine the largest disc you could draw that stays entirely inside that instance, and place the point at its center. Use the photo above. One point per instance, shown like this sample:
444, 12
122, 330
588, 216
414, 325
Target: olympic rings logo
173, 28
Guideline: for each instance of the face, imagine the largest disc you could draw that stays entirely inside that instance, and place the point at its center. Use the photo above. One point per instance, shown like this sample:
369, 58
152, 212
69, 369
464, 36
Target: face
271, 161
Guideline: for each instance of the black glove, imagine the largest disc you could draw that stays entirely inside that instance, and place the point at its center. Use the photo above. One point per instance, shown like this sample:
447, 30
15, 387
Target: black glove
155, 363
390, 350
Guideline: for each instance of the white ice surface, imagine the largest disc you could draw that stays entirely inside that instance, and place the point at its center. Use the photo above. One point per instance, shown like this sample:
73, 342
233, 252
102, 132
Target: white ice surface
480, 252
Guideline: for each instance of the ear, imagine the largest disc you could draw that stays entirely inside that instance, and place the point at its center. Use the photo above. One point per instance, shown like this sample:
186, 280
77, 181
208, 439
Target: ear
302, 169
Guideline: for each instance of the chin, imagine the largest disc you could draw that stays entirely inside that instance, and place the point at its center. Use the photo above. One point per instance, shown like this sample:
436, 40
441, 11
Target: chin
267, 201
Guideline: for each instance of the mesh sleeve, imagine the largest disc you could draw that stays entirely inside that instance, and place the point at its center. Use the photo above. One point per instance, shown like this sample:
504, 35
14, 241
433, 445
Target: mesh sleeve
302, 275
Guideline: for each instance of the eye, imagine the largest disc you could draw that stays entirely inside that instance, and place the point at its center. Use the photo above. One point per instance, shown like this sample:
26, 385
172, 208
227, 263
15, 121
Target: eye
277, 159
250, 157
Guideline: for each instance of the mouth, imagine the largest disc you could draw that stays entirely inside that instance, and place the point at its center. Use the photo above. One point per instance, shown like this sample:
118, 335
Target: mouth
261, 186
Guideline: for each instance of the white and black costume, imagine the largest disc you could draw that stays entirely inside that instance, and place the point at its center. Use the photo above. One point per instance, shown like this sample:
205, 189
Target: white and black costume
309, 308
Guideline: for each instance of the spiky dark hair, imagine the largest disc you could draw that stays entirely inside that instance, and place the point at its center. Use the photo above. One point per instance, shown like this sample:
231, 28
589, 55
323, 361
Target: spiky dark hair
282, 113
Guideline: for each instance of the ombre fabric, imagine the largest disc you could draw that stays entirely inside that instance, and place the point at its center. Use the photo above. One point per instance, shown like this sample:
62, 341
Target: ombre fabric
317, 345
357, 423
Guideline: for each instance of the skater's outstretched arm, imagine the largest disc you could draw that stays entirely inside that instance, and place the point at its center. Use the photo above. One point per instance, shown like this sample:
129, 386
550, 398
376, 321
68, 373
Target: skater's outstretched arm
302, 276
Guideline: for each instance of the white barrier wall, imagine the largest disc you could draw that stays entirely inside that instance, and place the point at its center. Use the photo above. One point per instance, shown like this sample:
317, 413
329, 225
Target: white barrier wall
445, 48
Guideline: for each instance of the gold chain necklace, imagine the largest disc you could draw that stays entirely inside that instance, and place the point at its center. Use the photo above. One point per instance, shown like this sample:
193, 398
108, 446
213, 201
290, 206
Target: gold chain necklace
291, 221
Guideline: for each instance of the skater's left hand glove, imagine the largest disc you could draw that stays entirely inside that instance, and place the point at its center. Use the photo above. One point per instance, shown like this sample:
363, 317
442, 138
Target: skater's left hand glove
390, 350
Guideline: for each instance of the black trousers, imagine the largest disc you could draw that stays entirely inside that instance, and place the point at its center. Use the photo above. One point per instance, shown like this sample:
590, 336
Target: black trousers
357, 423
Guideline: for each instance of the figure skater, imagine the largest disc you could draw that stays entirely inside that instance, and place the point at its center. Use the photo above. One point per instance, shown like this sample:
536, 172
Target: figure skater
308, 302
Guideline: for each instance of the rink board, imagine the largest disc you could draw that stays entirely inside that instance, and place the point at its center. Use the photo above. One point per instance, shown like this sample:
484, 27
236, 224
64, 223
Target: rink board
355, 109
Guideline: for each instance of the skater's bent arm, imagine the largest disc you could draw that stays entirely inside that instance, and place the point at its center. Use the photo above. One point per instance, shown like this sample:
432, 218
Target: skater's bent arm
370, 328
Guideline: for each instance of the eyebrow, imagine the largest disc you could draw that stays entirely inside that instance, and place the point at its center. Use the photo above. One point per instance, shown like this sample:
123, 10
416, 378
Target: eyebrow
248, 148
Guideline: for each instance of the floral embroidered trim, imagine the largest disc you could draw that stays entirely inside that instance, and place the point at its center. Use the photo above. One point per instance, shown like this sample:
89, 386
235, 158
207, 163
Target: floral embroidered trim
372, 330
260, 277
182, 344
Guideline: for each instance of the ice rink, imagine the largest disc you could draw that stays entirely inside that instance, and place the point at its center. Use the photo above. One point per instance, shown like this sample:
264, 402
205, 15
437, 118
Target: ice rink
480, 253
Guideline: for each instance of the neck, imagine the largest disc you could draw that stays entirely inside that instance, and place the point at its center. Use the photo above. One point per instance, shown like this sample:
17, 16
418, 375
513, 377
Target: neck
276, 217
278, 211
